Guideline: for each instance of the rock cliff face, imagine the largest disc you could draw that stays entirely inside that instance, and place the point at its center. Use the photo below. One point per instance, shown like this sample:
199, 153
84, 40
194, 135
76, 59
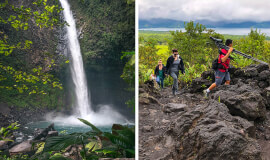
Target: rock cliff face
234, 123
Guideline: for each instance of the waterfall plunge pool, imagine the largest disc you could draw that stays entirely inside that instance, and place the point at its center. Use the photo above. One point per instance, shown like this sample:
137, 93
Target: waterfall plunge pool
27, 131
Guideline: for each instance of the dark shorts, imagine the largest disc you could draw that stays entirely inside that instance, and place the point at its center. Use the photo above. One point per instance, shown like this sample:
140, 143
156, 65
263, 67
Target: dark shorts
220, 76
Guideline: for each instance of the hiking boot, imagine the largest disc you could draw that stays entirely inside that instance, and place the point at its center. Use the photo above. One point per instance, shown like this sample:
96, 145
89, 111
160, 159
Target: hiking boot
173, 92
206, 94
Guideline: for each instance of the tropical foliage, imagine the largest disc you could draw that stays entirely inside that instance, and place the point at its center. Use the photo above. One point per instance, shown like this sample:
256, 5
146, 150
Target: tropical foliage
90, 145
196, 49
129, 75
28, 63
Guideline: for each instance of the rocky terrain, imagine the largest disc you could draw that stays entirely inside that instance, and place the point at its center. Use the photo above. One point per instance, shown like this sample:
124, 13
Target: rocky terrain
10, 114
234, 123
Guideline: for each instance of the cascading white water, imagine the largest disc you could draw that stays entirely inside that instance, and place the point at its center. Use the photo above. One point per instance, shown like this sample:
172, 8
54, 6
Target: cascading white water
78, 75
105, 115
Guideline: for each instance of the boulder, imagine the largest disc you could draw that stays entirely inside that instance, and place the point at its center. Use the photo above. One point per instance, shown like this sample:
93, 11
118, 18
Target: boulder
199, 84
262, 67
210, 75
52, 133
44, 132
243, 100
210, 131
250, 72
264, 75
263, 84
23, 147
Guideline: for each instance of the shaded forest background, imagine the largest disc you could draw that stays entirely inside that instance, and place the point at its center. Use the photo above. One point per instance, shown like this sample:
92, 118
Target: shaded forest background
33, 66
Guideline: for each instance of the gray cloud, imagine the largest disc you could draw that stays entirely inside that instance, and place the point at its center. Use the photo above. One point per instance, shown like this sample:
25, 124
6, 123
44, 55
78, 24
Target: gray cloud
213, 10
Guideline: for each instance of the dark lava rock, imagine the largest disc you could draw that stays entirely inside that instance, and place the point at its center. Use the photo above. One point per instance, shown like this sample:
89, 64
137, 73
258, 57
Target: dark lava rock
199, 84
250, 72
147, 128
145, 98
262, 67
263, 84
208, 75
174, 107
243, 100
211, 132
223, 127
264, 75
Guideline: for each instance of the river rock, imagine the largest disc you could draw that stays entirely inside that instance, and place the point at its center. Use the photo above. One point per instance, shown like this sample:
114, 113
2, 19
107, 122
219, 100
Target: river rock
52, 134
44, 132
21, 148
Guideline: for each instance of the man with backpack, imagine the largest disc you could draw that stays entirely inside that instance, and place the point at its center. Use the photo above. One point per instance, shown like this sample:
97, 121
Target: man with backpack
221, 72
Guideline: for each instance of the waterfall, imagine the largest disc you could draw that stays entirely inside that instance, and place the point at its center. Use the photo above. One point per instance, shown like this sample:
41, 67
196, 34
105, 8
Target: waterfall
82, 103
105, 115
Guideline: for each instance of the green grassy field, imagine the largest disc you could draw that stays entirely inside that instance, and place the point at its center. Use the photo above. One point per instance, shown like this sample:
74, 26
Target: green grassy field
163, 36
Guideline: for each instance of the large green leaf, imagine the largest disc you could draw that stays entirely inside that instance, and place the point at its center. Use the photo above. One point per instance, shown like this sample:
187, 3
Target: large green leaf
93, 145
120, 141
61, 142
91, 125
128, 134
58, 156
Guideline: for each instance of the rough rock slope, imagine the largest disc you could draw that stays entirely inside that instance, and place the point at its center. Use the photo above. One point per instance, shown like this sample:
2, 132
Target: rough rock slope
234, 123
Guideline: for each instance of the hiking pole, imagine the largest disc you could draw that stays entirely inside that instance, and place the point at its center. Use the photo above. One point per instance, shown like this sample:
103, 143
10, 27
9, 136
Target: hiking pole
219, 43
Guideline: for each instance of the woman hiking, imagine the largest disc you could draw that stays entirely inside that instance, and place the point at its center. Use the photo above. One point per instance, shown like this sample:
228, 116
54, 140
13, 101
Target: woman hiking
160, 73
174, 65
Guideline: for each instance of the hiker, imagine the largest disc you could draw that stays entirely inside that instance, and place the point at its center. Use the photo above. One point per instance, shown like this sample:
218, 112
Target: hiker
222, 72
160, 73
174, 65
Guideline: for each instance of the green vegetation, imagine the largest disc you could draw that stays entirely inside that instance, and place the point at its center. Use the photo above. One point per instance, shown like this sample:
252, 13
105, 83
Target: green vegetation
90, 145
29, 65
6, 132
32, 72
129, 75
196, 49
159, 36
108, 28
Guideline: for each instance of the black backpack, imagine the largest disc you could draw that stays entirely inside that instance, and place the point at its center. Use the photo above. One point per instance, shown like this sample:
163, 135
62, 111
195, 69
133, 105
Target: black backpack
215, 64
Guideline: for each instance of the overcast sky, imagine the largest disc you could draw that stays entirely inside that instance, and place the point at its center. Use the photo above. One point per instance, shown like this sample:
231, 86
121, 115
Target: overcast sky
213, 10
